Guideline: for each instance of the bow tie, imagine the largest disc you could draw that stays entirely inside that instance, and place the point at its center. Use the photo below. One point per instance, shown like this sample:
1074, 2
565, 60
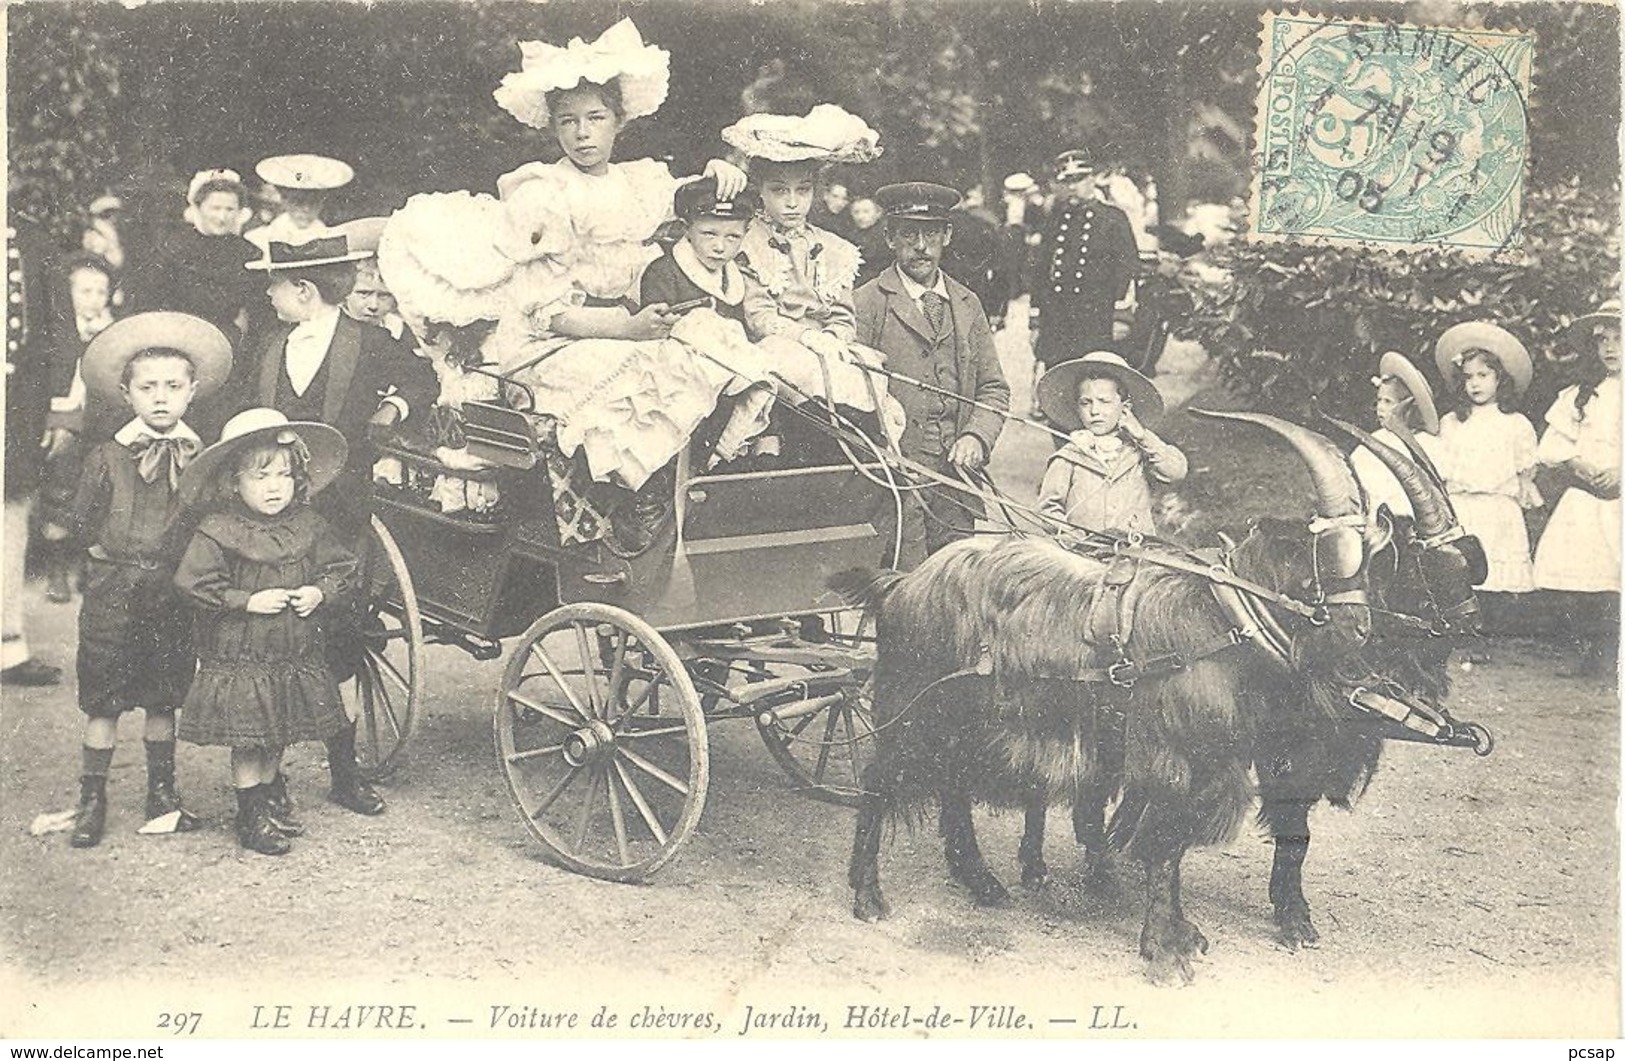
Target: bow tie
154, 454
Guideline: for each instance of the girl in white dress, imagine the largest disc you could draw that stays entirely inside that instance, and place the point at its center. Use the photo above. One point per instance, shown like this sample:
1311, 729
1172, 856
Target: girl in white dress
1579, 551
1489, 455
624, 396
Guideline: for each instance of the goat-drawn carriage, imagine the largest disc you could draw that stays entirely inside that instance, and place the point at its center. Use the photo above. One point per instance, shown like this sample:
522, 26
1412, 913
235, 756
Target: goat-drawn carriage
617, 664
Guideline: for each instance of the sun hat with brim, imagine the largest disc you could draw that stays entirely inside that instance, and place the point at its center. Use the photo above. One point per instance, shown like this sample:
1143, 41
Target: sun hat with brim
310, 173
641, 71
330, 249
1607, 313
1458, 339
1058, 388
324, 443
826, 133
206, 346
363, 233
1397, 366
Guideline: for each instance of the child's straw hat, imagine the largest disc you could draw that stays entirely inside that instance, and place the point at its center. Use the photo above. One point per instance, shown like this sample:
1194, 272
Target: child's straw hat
325, 445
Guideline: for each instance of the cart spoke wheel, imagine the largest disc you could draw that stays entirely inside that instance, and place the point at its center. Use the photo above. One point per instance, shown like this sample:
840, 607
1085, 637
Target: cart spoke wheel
384, 692
825, 752
602, 739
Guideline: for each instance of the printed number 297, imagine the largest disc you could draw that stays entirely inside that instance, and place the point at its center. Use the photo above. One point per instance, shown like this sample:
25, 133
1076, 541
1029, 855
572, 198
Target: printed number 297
180, 1023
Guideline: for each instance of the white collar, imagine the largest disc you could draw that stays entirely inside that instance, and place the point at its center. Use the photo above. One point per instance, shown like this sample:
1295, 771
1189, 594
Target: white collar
914, 290
133, 430
322, 325
711, 283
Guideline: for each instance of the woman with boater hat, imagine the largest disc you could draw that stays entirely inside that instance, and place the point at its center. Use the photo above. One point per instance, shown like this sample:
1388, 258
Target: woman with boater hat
304, 183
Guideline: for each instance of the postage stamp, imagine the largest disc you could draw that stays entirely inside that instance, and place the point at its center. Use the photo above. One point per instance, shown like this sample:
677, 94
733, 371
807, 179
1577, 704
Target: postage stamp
1390, 135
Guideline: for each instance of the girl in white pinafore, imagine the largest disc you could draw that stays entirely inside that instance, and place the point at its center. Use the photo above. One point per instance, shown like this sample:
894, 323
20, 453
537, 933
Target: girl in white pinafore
1579, 552
1489, 452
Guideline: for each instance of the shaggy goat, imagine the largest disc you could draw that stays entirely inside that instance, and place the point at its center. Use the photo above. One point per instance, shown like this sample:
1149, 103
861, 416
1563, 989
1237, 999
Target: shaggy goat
1423, 593
989, 688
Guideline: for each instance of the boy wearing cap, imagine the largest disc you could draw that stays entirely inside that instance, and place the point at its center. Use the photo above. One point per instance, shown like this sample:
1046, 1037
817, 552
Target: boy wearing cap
1087, 258
932, 329
701, 263
1101, 478
134, 637
320, 365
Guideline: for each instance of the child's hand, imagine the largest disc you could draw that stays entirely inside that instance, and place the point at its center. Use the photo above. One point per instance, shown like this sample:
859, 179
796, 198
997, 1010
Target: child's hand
267, 602
305, 600
730, 178
653, 321
1131, 427
823, 343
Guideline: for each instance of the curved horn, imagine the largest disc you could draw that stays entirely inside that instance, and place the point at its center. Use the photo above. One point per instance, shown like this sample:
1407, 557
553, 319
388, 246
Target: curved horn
1431, 504
1335, 484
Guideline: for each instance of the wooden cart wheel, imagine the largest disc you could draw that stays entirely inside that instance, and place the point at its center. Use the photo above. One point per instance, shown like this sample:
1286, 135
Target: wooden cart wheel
384, 692
602, 738
825, 752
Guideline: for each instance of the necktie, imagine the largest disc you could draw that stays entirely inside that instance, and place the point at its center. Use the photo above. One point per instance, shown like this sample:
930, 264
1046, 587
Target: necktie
158, 454
936, 311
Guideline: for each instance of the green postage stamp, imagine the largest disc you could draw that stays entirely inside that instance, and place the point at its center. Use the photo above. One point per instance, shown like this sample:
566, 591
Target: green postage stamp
1390, 135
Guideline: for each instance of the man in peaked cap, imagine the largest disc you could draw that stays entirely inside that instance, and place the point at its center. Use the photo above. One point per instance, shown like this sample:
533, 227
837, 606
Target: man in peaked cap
932, 329
1086, 260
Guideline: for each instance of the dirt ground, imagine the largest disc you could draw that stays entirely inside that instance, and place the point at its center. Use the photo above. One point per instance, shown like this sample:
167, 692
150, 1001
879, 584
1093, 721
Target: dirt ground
1463, 897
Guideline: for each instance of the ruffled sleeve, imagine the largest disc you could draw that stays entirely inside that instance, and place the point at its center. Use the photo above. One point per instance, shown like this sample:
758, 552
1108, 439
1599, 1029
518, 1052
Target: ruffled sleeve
1559, 444
653, 189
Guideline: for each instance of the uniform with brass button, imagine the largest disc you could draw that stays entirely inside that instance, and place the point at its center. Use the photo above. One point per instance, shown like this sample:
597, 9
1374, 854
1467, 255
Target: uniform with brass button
1086, 260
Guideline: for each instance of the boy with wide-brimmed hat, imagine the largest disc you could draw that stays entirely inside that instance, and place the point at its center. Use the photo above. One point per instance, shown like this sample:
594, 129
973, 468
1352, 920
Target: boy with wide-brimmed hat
1101, 478
134, 635
320, 365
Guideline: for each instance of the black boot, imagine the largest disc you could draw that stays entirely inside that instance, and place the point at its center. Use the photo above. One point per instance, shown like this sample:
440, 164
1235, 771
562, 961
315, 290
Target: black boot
279, 807
254, 829
91, 820
349, 790
162, 795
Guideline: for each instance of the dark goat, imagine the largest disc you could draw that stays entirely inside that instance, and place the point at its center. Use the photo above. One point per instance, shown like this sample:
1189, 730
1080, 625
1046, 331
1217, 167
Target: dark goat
977, 695
1423, 594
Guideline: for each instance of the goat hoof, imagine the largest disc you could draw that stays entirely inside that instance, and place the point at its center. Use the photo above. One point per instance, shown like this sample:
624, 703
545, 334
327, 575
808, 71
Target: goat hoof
1295, 928
1034, 874
1169, 970
870, 906
1189, 939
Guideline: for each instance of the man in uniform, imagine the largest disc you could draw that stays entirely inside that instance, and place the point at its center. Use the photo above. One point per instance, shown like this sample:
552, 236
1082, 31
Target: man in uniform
932, 329
1086, 260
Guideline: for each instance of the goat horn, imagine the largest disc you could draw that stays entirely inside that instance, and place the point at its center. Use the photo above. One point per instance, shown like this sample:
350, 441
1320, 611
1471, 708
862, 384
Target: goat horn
1428, 501
1335, 484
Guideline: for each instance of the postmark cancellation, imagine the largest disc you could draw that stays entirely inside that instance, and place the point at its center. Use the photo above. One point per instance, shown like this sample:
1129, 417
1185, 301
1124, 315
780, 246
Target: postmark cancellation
1390, 135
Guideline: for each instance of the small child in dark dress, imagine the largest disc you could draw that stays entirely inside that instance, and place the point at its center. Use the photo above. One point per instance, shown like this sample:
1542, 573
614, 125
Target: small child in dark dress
262, 572
134, 642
